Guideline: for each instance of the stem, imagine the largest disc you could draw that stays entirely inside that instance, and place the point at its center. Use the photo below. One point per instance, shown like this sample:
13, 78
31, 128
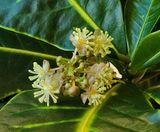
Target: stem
74, 54
29, 53
121, 56
150, 77
139, 76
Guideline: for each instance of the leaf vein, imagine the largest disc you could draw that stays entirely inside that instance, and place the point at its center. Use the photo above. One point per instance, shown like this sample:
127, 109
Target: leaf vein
28, 126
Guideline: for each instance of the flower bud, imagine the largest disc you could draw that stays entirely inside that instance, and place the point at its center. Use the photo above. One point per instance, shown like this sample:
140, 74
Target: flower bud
73, 91
58, 60
67, 85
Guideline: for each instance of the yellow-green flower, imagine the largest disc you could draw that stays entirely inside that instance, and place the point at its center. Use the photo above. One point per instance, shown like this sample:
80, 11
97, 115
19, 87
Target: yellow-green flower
100, 78
105, 74
81, 40
95, 71
102, 43
93, 96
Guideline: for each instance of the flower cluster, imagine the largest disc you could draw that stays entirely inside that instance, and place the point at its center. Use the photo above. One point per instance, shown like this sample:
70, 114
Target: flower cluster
88, 43
85, 74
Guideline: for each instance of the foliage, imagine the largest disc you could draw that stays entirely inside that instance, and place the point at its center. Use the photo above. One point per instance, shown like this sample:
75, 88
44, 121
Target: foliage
37, 30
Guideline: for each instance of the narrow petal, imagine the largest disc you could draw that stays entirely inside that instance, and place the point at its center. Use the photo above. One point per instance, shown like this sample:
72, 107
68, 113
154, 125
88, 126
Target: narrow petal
118, 75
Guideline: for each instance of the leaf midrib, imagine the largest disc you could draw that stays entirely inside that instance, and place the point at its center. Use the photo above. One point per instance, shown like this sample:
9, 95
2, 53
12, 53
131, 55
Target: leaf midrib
142, 29
29, 53
83, 14
34, 37
152, 58
44, 124
50, 108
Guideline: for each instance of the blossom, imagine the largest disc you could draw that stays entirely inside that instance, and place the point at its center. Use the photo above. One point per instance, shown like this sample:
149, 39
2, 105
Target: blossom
81, 40
100, 77
48, 88
40, 72
95, 71
103, 74
93, 95
47, 80
102, 43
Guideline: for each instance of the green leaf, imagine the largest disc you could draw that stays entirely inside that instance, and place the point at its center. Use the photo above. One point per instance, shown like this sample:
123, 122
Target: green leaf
125, 112
141, 16
108, 14
154, 93
147, 52
53, 20
17, 53
2, 104
50, 21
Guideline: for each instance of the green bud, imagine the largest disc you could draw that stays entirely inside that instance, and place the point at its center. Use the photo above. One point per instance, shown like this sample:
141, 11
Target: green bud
84, 83
81, 65
70, 71
58, 60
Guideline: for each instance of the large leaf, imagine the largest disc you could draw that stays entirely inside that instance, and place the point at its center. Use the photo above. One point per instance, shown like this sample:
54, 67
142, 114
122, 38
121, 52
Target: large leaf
147, 52
53, 20
125, 112
17, 53
141, 16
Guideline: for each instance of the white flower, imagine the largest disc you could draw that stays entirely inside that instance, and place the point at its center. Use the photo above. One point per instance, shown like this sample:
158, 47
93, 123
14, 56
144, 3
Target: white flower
103, 75
48, 88
40, 72
47, 80
102, 43
102, 71
80, 39
95, 71
93, 96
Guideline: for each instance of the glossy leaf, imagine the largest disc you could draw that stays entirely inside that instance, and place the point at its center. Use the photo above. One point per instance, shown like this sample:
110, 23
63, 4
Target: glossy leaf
17, 53
53, 21
141, 16
108, 16
154, 93
148, 52
2, 104
44, 20
127, 111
